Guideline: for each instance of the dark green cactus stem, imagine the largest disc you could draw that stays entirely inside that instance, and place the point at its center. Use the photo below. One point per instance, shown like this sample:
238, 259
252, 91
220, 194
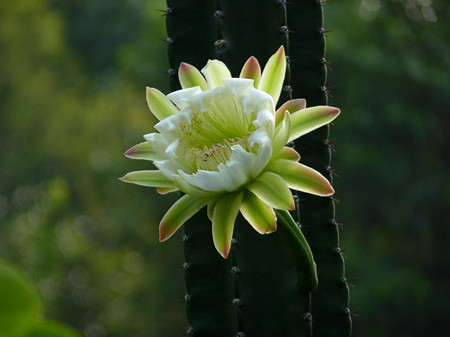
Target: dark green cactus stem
191, 34
209, 295
254, 292
331, 316
270, 302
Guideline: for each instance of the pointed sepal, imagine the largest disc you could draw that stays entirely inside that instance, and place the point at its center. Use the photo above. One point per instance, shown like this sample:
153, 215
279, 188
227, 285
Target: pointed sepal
224, 216
251, 70
149, 178
143, 151
288, 153
214, 72
309, 119
282, 133
291, 106
159, 104
179, 213
273, 74
258, 214
301, 177
273, 190
191, 77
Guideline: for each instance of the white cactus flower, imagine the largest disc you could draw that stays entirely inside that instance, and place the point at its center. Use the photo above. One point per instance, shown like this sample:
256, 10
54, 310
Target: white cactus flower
221, 141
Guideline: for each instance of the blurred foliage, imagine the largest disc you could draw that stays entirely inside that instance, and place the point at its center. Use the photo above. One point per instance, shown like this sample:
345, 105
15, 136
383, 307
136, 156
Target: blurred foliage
72, 77
20, 308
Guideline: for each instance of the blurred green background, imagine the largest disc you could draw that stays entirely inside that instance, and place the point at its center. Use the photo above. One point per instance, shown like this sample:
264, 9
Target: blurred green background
72, 79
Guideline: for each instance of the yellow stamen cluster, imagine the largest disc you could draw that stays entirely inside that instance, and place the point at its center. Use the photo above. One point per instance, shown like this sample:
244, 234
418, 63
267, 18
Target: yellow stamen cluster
209, 158
206, 139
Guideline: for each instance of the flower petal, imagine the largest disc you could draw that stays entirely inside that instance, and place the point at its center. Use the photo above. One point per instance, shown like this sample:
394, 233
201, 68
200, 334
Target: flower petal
251, 70
182, 97
143, 151
214, 72
260, 215
273, 74
190, 77
282, 133
179, 213
150, 178
159, 104
309, 119
302, 178
292, 106
288, 153
273, 190
224, 216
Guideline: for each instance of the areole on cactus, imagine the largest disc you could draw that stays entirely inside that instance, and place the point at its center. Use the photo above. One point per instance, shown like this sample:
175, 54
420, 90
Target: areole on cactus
222, 142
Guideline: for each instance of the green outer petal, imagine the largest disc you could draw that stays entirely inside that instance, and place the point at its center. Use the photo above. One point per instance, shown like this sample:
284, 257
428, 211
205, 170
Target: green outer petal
273, 75
301, 177
292, 106
301, 252
214, 72
179, 213
251, 70
211, 205
191, 77
282, 134
309, 119
273, 190
224, 216
149, 178
159, 104
288, 153
259, 215
143, 151
187, 188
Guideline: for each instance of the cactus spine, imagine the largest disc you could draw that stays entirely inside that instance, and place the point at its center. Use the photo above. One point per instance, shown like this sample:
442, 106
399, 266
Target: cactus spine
254, 293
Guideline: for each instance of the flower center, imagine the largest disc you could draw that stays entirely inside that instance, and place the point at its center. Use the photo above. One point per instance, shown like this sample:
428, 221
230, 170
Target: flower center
206, 140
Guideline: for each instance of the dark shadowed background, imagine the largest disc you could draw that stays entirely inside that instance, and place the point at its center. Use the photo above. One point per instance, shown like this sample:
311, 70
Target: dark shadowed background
72, 100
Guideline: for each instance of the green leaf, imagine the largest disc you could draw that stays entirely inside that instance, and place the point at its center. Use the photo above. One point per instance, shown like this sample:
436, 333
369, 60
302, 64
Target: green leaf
159, 104
19, 305
309, 119
143, 151
259, 215
149, 178
301, 177
224, 216
183, 209
191, 77
273, 75
273, 190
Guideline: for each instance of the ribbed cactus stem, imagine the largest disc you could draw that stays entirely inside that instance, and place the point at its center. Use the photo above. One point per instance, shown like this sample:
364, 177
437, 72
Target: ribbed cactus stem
253, 292
331, 316
191, 35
